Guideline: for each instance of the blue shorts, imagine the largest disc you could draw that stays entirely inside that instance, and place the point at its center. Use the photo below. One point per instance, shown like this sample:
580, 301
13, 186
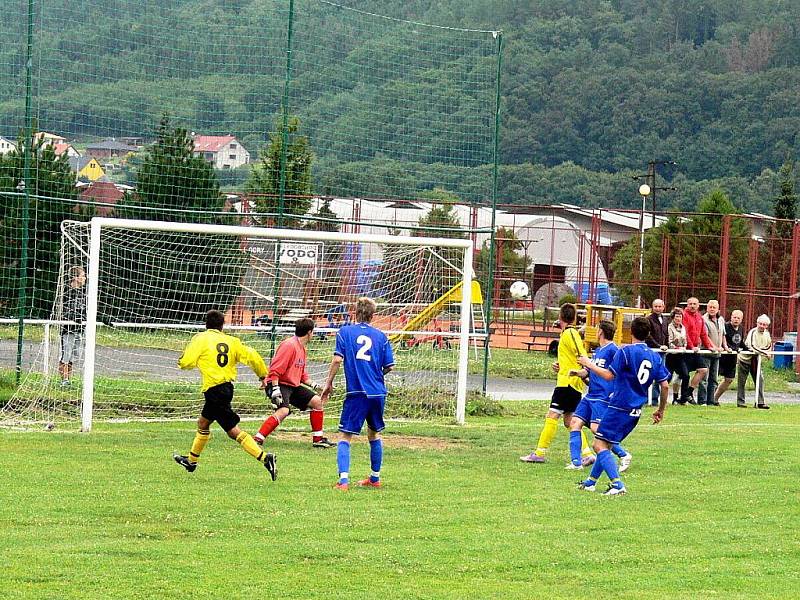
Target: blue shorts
590, 411
617, 423
357, 409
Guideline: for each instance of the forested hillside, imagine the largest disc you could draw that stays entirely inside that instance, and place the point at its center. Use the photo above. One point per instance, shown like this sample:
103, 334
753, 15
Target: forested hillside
590, 91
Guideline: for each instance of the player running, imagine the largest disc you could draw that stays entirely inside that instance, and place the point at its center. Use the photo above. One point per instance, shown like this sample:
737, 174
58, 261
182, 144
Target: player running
289, 385
568, 390
367, 357
634, 369
216, 355
594, 404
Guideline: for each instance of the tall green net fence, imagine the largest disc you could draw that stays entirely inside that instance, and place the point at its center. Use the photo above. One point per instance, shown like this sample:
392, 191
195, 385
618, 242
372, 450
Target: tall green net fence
244, 112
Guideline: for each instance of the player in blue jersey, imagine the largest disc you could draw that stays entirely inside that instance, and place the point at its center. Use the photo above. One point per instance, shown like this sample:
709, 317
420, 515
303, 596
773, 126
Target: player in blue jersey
367, 357
634, 369
593, 405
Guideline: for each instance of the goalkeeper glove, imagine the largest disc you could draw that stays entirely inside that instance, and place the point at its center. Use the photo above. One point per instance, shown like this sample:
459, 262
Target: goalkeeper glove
276, 397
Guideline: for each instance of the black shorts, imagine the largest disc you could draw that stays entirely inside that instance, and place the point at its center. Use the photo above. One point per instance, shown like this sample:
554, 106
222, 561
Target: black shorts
727, 366
565, 400
694, 361
298, 397
218, 406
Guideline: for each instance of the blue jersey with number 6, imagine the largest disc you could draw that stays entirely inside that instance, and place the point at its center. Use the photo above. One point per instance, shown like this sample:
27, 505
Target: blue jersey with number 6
366, 352
635, 368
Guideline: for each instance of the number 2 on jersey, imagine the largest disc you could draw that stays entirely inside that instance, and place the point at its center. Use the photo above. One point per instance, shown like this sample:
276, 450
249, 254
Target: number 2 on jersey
365, 343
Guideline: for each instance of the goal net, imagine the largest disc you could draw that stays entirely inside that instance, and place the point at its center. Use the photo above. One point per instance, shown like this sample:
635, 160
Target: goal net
149, 285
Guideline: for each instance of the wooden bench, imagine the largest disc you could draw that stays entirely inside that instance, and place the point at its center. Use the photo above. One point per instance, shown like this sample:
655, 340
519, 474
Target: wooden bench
534, 335
288, 320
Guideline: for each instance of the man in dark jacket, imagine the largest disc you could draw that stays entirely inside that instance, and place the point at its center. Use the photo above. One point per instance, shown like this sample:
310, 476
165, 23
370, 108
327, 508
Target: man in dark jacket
659, 323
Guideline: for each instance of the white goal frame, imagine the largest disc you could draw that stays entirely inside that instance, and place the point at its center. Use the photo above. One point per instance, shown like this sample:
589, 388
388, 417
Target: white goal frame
100, 223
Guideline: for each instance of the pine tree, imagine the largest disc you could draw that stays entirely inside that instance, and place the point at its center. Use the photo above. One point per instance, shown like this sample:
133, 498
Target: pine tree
263, 185
694, 254
52, 199
175, 277
171, 177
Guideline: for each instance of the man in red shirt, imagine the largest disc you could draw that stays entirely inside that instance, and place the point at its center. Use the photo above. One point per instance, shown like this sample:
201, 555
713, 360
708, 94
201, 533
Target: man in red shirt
695, 336
288, 384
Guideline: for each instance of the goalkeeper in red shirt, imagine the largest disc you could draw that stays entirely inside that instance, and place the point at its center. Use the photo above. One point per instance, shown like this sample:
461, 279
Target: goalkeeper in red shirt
289, 385
216, 355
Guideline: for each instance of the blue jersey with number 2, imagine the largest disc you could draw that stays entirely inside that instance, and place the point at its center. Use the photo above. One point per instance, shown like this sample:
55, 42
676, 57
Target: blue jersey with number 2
635, 368
366, 352
599, 388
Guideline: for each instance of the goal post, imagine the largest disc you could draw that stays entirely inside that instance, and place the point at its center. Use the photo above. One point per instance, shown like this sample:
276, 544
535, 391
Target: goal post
153, 281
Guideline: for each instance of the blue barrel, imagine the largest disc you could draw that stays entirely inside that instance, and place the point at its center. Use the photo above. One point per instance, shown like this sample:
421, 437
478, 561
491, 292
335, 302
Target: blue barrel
783, 361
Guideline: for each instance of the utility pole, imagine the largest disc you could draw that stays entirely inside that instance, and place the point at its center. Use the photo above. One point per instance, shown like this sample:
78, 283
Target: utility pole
648, 188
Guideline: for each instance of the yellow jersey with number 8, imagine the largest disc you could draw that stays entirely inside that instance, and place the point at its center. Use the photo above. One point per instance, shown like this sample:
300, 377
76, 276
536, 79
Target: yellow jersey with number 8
216, 355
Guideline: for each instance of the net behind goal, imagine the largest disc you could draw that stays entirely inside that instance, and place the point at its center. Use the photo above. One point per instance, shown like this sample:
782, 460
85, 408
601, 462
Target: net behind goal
150, 284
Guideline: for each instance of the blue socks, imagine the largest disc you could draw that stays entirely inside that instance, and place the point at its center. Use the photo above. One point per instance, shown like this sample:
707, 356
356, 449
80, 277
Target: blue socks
597, 469
575, 447
375, 458
343, 461
609, 465
619, 450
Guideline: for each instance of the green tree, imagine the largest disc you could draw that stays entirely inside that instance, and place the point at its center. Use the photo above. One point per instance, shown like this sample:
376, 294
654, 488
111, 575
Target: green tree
172, 277
694, 246
263, 185
775, 257
169, 177
52, 199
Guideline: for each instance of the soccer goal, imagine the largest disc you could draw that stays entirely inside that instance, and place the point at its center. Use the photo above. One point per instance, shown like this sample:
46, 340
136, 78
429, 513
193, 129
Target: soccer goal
149, 285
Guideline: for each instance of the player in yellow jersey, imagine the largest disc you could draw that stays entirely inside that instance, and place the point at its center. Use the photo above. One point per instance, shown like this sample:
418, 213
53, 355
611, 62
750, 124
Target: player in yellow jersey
216, 355
568, 390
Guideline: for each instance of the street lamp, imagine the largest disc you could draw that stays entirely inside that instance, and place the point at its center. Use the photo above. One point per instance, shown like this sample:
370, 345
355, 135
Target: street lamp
644, 191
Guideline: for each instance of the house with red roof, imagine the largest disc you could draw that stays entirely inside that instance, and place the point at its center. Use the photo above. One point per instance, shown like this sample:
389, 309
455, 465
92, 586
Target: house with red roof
222, 151
65, 148
104, 194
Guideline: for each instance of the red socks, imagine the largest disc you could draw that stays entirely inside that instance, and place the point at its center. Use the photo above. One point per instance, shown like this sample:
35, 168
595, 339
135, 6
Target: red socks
268, 426
317, 417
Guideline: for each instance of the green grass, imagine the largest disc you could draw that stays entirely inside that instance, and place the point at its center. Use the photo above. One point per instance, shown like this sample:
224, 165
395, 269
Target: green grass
711, 512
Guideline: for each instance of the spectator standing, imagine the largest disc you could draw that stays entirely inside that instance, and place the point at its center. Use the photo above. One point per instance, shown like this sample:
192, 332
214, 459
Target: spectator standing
734, 340
659, 338
676, 363
715, 328
696, 338
74, 309
758, 342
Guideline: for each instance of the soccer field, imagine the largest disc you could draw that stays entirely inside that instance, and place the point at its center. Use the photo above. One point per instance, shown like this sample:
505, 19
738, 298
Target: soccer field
712, 511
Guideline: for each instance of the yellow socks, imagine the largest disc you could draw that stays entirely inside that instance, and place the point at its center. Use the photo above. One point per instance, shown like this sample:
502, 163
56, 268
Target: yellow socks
200, 440
249, 445
547, 435
586, 449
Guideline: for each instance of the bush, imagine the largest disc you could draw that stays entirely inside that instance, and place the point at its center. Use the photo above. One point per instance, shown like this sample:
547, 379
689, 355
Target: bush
567, 299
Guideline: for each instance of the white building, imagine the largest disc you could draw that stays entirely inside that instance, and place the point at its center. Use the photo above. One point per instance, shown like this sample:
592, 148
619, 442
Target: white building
222, 151
6, 146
